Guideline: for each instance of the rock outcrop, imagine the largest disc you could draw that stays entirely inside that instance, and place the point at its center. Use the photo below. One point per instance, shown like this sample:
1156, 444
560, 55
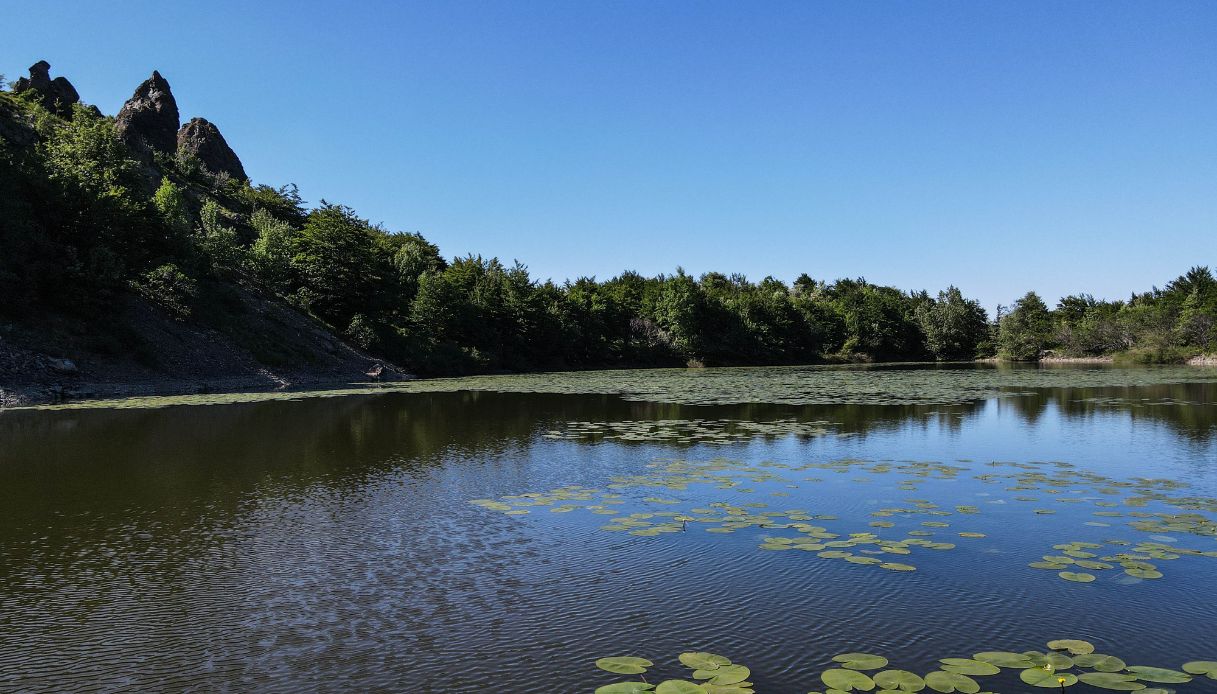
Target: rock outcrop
57, 95
202, 139
149, 120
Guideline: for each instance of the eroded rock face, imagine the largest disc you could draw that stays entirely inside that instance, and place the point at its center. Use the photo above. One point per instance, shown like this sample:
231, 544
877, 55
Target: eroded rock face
149, 120
202, 139
57, 95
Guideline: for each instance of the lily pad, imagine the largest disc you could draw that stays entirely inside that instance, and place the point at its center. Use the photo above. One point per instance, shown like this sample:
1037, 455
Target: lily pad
679, 687
1005, 659
725, 674
729, 689
1112, 680
625, 688
624, 665
1039, 677
847, 680
699, 660
1058, 661
902, 680
965, 666
1160, 675
1074, 646
1202, 667
1077, 577
947, 682
860, 661
1101, 663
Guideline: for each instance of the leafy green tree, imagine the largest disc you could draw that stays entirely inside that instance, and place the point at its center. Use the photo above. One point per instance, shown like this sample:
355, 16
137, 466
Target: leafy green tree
93, 203
1085, 326
678, 311
271, 253
282, 203
879, 322
170, 288
953, 326
1023, 334
412, 255
1197, 324
361, 331
219, 243
334, 258
171, 204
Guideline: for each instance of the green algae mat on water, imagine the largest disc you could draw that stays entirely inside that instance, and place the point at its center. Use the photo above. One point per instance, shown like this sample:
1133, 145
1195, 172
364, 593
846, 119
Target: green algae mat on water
803, 385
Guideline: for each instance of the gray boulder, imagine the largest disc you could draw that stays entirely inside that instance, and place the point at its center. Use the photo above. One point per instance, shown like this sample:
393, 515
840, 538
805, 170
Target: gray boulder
149, 120
202, 139
56, 95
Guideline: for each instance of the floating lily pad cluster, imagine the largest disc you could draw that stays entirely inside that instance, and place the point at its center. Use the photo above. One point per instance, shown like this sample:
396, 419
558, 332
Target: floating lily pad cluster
687, 431
662, 512
710, 674
913, 473
1191, 523
1076, 559
864, 548
1065, 663
1140, 492
874, 550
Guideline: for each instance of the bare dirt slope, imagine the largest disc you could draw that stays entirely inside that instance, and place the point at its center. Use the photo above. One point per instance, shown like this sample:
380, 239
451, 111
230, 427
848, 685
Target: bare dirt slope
247, 343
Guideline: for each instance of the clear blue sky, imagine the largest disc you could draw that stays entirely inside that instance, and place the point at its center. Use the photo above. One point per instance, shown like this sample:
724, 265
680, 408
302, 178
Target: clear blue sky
999, 146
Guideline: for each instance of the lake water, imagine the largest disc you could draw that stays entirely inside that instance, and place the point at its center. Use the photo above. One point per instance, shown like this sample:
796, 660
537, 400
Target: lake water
330, 543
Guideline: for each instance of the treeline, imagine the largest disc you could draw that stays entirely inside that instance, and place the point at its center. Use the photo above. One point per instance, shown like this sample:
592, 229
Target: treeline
1161, 325
85, 220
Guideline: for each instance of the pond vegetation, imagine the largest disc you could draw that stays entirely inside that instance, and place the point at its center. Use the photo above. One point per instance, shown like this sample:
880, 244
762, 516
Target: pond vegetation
885, 385
1065, 663
708, 507
945, 539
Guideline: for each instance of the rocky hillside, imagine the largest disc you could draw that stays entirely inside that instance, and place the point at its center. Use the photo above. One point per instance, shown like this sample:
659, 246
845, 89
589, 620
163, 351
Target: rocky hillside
72, 326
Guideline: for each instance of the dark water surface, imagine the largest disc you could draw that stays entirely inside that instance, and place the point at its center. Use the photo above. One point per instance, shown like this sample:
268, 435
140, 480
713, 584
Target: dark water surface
329, 544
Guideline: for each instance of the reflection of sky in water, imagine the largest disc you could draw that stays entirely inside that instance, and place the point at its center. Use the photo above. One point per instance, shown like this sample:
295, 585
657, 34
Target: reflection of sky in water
291, 546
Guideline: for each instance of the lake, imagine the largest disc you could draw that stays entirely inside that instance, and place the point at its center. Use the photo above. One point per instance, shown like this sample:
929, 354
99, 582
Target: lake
501, 534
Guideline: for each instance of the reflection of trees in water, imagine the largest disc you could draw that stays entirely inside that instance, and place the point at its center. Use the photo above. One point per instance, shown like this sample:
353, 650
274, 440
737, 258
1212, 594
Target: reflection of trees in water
160, 457
1190, 409
851, 419
181, 463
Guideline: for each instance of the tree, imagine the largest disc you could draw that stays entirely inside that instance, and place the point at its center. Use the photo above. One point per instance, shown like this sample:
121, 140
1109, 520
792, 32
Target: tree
1023, 333
219, 245
333, 255
93, 203
1198, 320
412, 255
954, 326
679, 311
170, 203
271, 253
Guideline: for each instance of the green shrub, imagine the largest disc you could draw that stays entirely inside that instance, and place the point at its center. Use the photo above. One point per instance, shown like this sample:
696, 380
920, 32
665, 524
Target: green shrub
1154, 355
170, 288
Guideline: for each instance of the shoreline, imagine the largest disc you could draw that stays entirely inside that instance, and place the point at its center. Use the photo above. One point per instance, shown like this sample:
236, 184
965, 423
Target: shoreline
34, 394
68, 390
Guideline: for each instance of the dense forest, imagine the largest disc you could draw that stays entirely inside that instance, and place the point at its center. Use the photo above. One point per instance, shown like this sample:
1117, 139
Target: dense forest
85, 217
